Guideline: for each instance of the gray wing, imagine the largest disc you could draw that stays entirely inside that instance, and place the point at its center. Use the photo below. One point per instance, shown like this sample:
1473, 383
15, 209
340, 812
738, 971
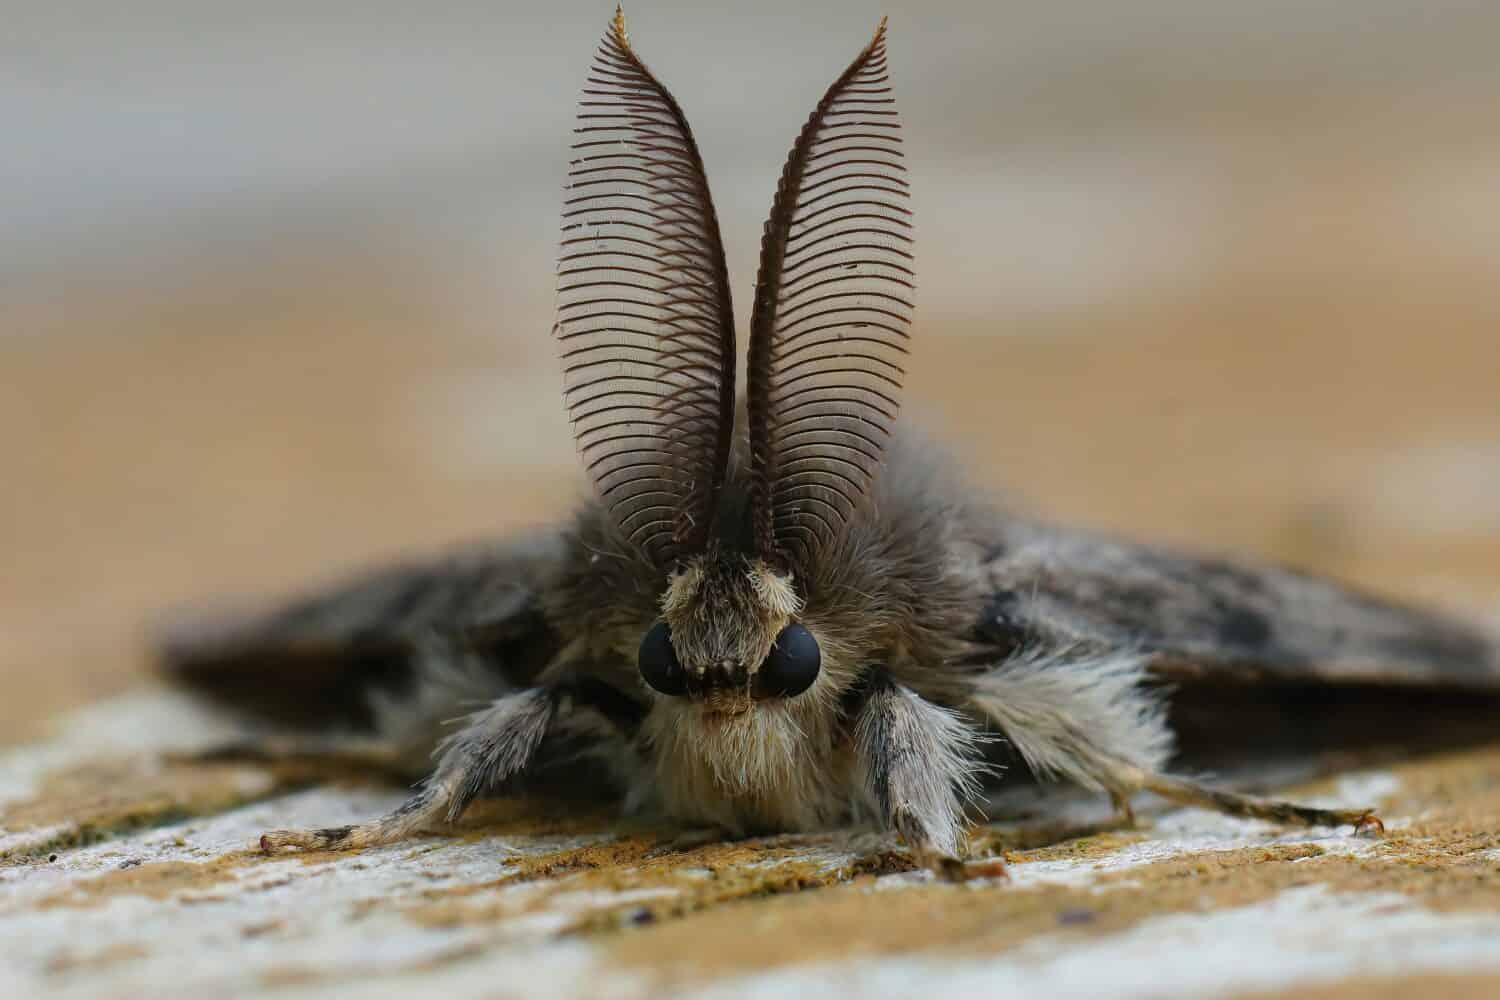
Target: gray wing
328, 656
1211, 619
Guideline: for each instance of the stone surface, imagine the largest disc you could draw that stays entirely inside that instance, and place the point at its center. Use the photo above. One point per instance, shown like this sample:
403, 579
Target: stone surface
127, 869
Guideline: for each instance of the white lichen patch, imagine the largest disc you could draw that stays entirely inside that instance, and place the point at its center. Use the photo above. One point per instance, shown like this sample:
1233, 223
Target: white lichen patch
1182, 832
1299, 937
229, 919
522, 908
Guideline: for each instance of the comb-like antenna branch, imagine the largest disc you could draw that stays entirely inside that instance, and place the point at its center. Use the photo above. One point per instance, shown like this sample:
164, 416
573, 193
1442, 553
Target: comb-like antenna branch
833, 300
644, 318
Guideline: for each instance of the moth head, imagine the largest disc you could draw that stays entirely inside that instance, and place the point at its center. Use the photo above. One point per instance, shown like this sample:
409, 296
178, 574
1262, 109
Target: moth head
645, 327
729, 633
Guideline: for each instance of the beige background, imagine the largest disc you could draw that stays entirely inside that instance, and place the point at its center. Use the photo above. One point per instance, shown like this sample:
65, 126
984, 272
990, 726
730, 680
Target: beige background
275, 283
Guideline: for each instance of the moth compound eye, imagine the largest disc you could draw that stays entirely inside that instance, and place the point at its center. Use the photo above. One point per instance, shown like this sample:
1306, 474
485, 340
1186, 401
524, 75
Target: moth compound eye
792, 665
658, 662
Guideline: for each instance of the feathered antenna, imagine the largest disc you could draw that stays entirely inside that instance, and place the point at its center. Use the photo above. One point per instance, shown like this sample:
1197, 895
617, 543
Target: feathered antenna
644, 318
833, 300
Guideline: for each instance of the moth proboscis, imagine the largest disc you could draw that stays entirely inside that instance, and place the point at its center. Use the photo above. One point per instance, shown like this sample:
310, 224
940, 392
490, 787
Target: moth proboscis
789, 614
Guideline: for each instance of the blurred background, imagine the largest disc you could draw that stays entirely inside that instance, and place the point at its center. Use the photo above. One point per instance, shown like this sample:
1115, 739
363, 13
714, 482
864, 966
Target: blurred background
276, 280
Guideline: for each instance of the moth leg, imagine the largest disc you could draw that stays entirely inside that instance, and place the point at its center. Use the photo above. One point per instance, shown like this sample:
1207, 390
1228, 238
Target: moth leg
1081, 715
1091, 717
1124, 811
918, 763
497, 743
1191, 793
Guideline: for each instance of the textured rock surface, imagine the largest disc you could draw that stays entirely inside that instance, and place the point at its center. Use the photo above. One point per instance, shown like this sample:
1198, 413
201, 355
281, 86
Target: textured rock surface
127, 870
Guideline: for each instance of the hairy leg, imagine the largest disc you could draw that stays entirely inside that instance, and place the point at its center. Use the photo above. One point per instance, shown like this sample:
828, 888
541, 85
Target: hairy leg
1093, 719
918, 762
497, 743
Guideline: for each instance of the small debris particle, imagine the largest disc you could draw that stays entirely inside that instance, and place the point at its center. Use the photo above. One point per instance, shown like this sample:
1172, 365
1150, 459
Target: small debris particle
257, 930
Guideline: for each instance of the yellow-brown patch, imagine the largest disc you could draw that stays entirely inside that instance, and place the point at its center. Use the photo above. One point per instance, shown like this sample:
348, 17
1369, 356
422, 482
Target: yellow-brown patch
537, 815
689, 880
99, 800
1442, 862
70, 960
1476, 986
154, 880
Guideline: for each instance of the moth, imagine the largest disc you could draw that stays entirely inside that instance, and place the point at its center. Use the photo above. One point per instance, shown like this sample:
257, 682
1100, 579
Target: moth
788, 614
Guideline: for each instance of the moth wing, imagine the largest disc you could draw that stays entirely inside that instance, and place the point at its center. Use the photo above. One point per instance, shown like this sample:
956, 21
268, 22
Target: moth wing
1211, 619
329, 656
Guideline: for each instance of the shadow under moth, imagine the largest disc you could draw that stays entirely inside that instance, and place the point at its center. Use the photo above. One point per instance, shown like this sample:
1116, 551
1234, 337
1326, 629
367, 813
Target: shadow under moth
789, 613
